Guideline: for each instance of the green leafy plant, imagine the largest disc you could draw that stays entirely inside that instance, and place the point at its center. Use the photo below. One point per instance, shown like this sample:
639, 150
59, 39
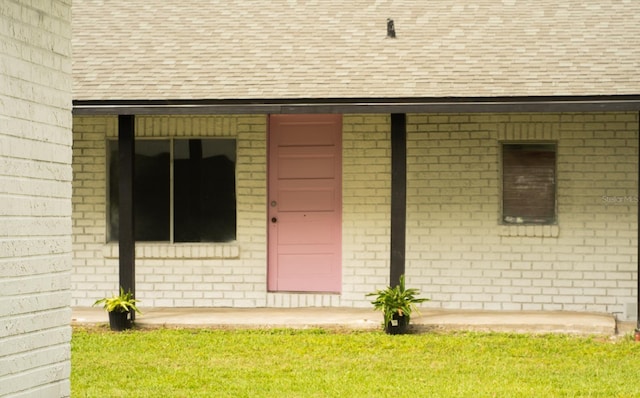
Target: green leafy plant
396, 300
124, 302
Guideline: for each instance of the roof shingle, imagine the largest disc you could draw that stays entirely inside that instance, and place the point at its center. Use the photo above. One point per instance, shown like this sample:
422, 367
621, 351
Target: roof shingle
288, 49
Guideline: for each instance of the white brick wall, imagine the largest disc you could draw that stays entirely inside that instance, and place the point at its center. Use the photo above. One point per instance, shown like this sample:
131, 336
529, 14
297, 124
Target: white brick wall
231, 274
461, 257
35, 197
366, 205
457, 251
183, 275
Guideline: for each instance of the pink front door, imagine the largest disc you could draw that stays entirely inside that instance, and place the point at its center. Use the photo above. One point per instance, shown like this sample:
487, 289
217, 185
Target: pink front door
305, 203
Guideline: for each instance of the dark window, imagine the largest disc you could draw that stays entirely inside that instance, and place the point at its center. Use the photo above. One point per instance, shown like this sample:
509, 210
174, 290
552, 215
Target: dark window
203, 186
529, 183
152, 188
204, 190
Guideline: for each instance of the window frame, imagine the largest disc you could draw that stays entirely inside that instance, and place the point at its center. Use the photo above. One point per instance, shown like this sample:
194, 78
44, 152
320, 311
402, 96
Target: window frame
171, 215
532, 144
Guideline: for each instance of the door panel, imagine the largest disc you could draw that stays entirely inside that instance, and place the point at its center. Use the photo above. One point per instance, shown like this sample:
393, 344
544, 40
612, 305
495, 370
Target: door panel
305, 203
305, 168
315, 200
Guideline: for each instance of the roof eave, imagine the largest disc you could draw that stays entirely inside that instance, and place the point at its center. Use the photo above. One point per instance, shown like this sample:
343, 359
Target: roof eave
602, 103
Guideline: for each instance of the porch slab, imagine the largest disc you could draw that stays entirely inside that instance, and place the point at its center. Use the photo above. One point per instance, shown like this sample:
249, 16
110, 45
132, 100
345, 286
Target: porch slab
363, 319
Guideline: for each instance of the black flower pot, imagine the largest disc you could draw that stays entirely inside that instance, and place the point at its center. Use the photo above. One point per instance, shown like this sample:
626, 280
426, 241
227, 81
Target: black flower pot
397, 325
119, 321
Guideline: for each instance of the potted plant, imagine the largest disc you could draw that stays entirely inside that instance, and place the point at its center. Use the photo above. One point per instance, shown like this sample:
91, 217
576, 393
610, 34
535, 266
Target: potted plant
396, 304
119, 308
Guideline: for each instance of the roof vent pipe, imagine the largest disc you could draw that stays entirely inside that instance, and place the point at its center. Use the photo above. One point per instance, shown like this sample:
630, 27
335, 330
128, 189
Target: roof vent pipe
391, 29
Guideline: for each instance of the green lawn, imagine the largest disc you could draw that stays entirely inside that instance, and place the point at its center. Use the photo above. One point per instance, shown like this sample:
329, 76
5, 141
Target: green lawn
319, 363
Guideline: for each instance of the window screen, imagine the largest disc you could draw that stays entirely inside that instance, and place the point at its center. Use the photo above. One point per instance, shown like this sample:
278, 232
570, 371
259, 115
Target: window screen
529, 183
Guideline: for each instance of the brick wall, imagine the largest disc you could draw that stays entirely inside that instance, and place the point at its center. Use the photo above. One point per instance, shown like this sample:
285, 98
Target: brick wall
460, 255
457, 252
35, 197
366, 205
231, 274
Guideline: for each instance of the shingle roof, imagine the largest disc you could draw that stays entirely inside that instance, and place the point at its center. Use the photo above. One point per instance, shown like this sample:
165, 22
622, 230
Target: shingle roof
197, 49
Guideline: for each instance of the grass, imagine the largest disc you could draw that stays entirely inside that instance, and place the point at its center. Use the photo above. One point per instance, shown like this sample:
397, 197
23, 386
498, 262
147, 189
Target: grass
320, 363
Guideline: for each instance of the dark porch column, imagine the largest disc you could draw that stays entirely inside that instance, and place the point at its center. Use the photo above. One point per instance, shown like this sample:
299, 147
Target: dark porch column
398, 195
126, 243
638, 241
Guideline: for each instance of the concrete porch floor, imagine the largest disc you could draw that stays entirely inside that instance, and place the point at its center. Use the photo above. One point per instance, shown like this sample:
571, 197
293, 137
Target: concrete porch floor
363, 319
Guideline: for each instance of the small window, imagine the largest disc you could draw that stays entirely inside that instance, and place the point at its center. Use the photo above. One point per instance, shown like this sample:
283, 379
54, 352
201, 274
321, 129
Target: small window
529, 183
200, 193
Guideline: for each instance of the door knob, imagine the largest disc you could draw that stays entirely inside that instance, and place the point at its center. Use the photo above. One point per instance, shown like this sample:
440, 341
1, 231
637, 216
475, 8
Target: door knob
274, 220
